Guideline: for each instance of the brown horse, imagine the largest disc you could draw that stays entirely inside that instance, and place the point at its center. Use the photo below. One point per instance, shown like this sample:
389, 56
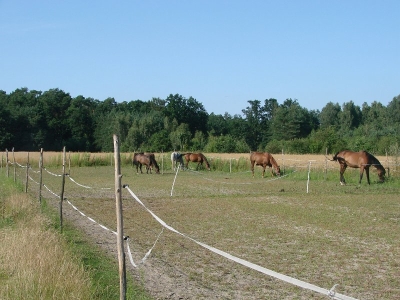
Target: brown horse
264, 159
147, 159
196, 157
362, 160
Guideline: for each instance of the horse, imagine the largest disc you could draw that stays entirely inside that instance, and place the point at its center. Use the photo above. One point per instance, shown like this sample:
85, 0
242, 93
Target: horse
196, 157
362, 160
176, 158
264, 159
147, 159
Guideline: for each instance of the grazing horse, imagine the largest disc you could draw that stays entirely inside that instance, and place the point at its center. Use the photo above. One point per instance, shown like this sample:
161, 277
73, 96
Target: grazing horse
176, 158
147, 159
196, 157
362, 160
264, 159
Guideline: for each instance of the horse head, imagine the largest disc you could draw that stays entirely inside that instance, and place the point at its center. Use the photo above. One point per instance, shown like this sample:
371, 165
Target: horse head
381, 173
206, 161
278, 170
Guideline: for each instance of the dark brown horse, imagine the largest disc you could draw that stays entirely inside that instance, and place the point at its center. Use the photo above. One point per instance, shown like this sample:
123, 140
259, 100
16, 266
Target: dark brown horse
264, 159
196, 157
362, 160
147, 159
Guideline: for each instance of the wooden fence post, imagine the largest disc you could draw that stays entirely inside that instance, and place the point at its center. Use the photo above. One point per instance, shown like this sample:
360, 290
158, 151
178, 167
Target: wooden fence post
7, 164
69, 162
41, 175
27, 175
120, 223
62, 191
15, 168
326, 163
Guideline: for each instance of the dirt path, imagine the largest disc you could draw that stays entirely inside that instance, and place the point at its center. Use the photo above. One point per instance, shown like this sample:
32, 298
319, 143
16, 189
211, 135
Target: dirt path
160, 279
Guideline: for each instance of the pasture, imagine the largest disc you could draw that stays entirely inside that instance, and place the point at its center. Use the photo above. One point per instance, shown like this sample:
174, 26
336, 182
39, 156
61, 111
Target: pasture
306, 226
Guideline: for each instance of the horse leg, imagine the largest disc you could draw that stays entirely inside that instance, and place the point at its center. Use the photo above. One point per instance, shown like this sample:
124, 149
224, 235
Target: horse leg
252, 168
187, 164
361, 173
263, 171
367, 173
342, 169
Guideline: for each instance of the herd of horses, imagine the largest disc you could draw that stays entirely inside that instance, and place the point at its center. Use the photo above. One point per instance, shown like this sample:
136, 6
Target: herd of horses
362, 160
148, 160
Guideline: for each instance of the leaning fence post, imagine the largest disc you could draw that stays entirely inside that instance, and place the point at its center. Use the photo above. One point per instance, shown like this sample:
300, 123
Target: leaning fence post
120, 225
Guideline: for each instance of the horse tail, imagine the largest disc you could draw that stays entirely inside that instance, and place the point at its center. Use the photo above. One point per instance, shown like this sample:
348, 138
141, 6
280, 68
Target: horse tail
335, 157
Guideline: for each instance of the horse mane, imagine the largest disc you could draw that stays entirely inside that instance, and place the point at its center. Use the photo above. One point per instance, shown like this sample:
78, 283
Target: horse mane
153, 160
374, 161
205, 159
274, 161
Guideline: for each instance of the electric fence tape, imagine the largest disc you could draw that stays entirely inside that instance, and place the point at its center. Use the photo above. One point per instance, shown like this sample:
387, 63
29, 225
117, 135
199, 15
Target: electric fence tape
330, 293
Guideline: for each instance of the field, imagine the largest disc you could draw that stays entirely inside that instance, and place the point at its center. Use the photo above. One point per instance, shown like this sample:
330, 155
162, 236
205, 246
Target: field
303, 225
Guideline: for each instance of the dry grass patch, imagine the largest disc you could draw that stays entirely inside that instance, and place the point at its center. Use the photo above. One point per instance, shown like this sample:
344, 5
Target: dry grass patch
33, 261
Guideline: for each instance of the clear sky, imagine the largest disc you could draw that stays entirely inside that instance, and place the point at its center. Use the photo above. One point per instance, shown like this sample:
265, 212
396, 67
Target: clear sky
222, 53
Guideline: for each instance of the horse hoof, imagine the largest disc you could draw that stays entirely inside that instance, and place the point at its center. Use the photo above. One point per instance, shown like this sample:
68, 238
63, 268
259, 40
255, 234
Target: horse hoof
342, 183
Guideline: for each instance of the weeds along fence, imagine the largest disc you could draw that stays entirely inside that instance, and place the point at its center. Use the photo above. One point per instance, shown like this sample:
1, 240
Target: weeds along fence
47, 175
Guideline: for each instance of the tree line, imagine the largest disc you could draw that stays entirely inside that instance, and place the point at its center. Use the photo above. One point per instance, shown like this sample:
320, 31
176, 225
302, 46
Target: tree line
30, 120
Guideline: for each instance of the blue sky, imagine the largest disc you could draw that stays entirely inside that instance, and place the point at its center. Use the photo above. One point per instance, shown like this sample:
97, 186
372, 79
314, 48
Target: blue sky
222, 53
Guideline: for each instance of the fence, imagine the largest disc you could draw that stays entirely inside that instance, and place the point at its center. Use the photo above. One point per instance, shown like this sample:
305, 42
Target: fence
286, 163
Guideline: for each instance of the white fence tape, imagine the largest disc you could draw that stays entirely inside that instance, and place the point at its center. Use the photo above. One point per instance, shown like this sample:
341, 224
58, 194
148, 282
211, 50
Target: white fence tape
33, 180
330, 293
127, 239
85, 186
51, 172
92, 220
51, 191
173, 183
